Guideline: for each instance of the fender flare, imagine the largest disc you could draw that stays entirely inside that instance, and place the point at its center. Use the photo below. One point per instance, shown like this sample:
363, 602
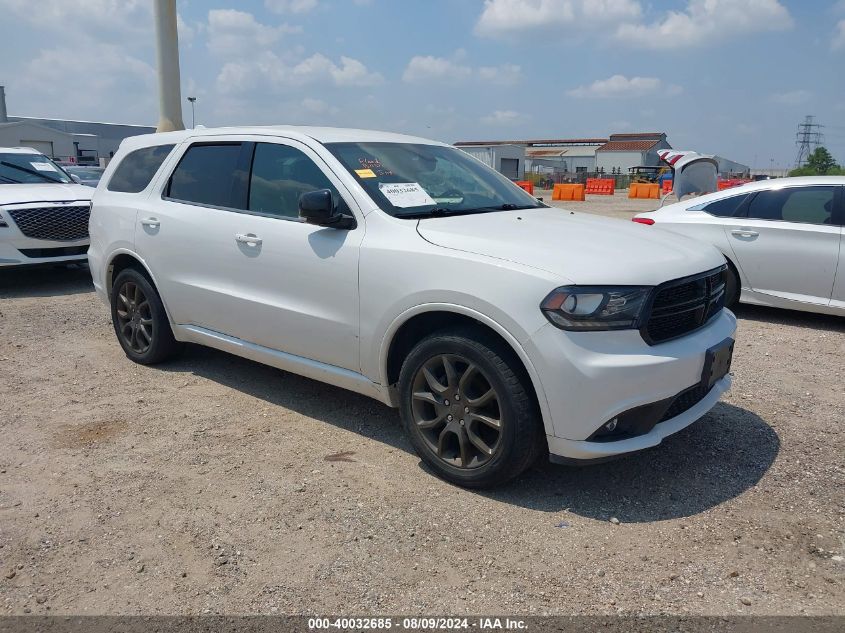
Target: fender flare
516, 346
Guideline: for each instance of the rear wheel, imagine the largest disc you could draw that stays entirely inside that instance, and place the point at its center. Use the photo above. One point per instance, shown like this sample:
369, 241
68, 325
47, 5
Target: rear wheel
139, 319
468, 410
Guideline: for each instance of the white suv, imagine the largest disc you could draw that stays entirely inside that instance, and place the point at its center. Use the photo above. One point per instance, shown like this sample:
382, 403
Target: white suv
43, 212
404, 269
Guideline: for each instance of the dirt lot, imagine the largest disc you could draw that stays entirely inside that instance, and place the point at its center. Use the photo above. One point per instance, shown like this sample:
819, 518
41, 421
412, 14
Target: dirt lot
216, 485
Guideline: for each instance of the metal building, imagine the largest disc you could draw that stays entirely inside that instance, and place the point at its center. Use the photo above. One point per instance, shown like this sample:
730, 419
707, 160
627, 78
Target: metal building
506, 158
625, 151
85, 142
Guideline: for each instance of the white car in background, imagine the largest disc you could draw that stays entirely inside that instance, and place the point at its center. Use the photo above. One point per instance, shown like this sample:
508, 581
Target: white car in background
783, 239
43, 212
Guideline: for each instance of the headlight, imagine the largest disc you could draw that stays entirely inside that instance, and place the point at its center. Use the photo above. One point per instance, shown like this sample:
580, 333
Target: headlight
595, 307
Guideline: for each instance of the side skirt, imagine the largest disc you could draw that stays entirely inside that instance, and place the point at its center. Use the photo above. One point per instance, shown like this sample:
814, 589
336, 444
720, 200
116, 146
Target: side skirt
337, 376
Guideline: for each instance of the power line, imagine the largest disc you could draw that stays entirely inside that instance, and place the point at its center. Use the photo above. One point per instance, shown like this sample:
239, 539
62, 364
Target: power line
808, 138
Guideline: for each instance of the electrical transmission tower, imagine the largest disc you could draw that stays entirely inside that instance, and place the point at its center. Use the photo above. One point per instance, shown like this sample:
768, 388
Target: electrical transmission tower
808, 138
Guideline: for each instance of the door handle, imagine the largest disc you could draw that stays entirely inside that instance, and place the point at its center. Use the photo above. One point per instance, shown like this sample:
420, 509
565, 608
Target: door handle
251, 239
744, 233
153, 223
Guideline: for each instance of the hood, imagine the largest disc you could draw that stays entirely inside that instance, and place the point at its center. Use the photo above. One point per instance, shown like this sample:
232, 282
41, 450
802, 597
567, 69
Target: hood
47, 192
580, 248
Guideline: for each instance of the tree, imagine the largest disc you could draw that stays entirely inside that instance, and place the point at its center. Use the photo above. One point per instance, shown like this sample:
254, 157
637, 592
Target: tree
819, 163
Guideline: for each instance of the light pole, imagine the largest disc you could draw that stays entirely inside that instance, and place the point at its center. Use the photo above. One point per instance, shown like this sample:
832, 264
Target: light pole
193, 100
167, 55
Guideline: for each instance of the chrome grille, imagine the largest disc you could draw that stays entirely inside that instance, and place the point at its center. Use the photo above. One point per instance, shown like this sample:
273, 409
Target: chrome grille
59, 223
683, 305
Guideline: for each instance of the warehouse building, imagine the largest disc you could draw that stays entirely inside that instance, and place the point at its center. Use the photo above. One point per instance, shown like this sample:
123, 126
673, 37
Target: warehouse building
622, 152
542, 156
84, 142
506, 157
731, 169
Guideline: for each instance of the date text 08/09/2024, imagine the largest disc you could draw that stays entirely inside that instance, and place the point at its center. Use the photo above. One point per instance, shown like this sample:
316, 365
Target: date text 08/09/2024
420, 623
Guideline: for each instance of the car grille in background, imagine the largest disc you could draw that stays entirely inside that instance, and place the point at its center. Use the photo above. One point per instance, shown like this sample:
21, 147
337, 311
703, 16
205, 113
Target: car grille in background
61, 223
62, 251
684, 305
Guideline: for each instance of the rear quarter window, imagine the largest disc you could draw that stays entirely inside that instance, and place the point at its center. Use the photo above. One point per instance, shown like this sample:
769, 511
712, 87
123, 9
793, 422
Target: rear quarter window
137, 169
723, 208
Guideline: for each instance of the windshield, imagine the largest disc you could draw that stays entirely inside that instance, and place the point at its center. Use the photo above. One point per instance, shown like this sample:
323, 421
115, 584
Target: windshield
30, 168
410, 180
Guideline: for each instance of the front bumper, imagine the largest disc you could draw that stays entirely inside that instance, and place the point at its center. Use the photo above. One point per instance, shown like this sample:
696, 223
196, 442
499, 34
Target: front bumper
589, 378
27, 252
567, 451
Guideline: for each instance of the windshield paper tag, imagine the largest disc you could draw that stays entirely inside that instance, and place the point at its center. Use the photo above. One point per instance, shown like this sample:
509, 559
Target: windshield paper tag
405, 194
365, 173
43, 166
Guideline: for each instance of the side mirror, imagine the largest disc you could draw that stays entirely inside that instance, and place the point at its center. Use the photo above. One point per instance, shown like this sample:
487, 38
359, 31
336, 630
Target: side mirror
318, 207
76, 179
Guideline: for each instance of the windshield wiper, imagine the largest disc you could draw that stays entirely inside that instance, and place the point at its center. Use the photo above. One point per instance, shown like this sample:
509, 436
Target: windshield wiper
440, 212
508, 206
437, 212
30, 171
11, 180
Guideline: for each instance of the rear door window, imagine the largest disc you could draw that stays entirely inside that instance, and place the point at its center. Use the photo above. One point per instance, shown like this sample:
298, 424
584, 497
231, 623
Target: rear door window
806, 205
207, 174
137, 169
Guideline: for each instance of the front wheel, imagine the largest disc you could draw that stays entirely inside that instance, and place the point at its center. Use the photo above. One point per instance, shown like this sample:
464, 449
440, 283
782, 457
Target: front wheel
469, 410
732, 288
139, 319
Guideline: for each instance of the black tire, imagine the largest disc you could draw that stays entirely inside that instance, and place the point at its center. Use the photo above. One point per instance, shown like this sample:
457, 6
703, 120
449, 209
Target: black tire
520, 437
153, 340
732, 288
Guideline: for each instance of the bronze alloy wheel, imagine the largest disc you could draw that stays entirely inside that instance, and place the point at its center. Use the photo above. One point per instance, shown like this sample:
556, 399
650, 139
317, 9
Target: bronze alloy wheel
134, 317
457, 411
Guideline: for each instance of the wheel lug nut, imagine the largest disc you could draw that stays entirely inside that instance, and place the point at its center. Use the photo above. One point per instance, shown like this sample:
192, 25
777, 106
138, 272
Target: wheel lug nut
450, 418
457, 396
446, 402
462, 422
466, 409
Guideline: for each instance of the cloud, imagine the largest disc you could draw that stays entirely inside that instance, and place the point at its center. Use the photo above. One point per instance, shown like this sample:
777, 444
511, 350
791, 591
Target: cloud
793, 97
290, 6
233, 33
620, 86
838, 42
503, 117
350, 72
427, 68
705, 21
504, 75
97, 15
110, 71
503, 17
268, 71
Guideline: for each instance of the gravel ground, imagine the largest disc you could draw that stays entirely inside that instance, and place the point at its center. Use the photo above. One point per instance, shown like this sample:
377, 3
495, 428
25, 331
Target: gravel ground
216, 485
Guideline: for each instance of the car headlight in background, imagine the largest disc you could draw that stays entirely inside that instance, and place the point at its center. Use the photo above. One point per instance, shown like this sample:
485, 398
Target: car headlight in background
595, 307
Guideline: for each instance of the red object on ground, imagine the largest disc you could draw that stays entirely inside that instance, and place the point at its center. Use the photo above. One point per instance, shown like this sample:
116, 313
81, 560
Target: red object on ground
647, 221
600, 186
731, 182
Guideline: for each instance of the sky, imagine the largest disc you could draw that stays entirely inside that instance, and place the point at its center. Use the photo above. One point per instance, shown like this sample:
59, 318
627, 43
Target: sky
731, 77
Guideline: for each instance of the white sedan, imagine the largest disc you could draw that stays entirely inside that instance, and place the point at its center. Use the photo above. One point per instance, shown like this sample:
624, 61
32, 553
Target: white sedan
783, 239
